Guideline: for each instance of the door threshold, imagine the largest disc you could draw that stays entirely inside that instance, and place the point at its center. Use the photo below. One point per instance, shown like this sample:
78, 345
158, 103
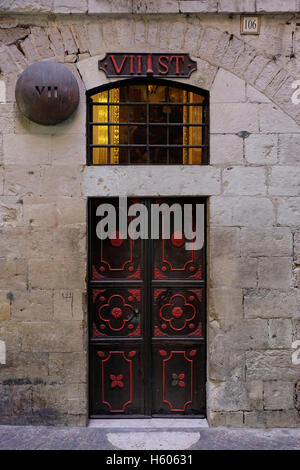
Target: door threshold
149, 423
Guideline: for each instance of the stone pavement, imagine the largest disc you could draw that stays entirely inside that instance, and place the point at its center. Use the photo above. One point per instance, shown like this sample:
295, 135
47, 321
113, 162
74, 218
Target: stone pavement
154, 438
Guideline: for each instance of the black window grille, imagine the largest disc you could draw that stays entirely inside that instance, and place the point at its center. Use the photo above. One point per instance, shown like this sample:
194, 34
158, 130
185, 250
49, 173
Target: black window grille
148, 123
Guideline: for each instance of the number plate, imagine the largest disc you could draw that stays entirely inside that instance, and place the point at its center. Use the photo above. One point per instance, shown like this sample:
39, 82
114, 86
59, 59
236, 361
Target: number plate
250, 24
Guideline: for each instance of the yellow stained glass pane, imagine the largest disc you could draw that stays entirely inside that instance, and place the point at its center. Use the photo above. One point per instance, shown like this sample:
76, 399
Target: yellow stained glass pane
114, 116
100, 133
195, 133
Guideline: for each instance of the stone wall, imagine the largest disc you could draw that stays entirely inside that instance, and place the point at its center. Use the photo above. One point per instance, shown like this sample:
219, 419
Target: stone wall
254, 208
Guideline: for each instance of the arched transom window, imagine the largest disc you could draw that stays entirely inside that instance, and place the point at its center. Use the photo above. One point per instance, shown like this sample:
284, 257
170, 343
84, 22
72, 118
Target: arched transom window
148, 123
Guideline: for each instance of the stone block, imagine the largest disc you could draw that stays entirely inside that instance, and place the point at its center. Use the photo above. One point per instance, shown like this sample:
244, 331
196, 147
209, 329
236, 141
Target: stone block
70, 6
273, 120
113, 181
241, 211
255, 96
276, 6
61, 336
25, 369
60, 398
68, 151
235, 6
261, 149
41, 42
289, 149
226, 150
264, 303
95, 38
280, 333
56, 42
57, 274
69, 305
225, 362
54, 211
266, 75
243, 181
255, 68
234, 272
224, 241
228, 419
278, 395
13, 274
244, 59
285, 181
4, 306
288, 211
272, 419
230, 118
110, 6
10, 35
226, 306
70, 241
61, 180
26, 149
29, 50
234, 49
276, 241
227, 88
227, 396
205, 76
23, 180
202, 6
68, 367
271, 365
297, 247
10, 211
33, 305
275, 273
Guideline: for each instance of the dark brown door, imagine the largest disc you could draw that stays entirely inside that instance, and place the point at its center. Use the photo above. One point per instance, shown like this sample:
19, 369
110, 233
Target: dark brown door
146, 321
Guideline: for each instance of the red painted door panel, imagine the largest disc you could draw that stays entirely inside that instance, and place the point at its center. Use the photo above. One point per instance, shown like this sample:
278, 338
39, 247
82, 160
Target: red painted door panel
146, 321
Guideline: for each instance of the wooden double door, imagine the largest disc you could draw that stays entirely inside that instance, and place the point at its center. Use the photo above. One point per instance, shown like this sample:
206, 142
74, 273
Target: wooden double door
147, 350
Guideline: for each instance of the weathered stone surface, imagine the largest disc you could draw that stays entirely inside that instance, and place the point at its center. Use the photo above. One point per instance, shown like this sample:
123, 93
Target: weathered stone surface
230, 118
226, 150
285, 181
68, 367
69, 305
261, 149
56, 274
276, 5
63, 152
280, 333
33, 305
61, 336
271, 365
241, 211
230, 419
10, 35
274, 120
97, 180
70, 6
275, 273
26, 149
255, 96
277, 241
297, 247
226, 306
289, 149
234, 272
13, 274
4, 306
227, 88
288, 211
271, 303
270, 419
225, 241
23, 180
244, 181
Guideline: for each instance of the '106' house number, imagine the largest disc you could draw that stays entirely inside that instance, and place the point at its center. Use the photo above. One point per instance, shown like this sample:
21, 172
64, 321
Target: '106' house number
250, 24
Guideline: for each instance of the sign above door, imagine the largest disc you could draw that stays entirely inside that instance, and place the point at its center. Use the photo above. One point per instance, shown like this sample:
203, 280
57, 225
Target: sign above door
130, 65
